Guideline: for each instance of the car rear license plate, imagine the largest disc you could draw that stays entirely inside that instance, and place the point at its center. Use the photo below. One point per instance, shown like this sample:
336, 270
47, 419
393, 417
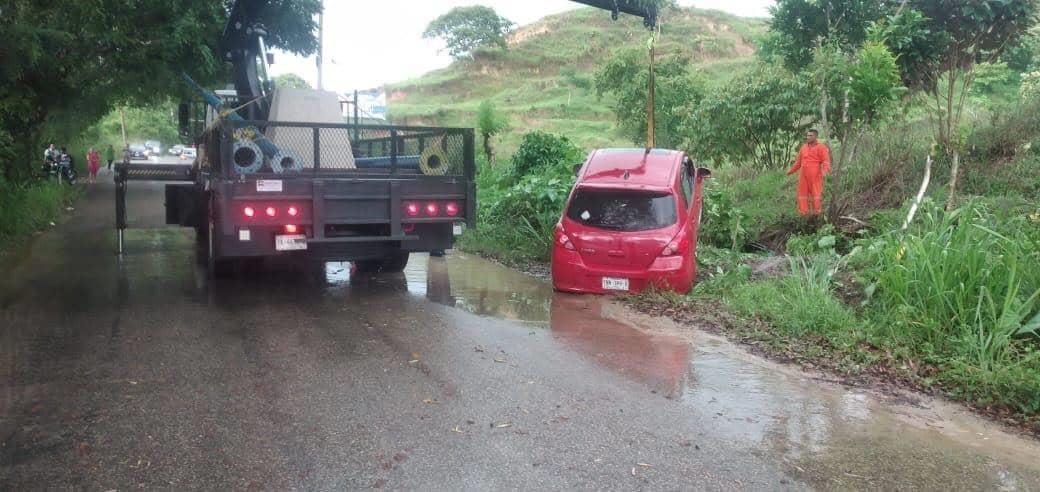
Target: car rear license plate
610, 283
291, 242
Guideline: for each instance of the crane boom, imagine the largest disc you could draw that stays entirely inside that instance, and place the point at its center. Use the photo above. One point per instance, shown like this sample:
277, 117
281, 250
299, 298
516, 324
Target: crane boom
647, 9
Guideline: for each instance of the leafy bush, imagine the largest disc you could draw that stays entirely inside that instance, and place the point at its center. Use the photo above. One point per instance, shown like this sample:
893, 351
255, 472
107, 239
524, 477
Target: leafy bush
542, 152
520, 206
723, 224
755, 119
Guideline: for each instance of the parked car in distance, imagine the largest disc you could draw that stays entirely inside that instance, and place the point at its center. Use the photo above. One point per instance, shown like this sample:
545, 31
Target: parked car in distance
138, 151
631, 221
188, 153
176, 149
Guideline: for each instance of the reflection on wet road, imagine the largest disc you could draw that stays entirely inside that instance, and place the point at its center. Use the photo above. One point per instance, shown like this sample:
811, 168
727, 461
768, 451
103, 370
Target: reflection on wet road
456, 374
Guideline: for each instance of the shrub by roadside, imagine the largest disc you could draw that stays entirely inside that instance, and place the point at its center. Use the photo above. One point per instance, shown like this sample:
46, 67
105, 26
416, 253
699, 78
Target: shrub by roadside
31, 206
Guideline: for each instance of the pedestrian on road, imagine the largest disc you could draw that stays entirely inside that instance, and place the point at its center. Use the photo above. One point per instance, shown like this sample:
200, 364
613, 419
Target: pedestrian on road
93, 162
110, 155
812, 164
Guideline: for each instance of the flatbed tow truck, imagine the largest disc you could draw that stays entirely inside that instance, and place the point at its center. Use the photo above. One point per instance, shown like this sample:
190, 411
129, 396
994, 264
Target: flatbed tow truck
278, 173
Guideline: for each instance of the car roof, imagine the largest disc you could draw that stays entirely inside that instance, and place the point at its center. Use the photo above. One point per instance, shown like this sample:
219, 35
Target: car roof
629, 168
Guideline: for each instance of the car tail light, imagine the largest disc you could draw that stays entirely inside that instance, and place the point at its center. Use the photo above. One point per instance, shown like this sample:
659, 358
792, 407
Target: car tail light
432, 209
271, 211
564, 239
674, 248
291, 229
411, 209
452, 209
248, 211
292, 211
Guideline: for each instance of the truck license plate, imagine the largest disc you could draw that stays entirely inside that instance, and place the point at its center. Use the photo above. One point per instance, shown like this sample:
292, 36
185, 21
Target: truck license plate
610, 283
291, 242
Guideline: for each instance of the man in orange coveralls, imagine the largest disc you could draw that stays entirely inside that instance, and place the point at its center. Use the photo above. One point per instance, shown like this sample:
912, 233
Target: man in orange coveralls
814, 162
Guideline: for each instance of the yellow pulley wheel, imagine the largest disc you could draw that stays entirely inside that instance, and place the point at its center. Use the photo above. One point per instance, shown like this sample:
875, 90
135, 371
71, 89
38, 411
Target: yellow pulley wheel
433, 161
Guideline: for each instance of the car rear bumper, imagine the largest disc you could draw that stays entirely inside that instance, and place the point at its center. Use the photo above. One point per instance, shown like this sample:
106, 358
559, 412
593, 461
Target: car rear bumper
571, 274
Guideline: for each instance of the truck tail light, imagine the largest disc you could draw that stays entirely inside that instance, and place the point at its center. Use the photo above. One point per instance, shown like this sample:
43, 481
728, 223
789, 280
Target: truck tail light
451, 209
292, 211
411, 209
432, 209
271, 211
249, 212
291, 229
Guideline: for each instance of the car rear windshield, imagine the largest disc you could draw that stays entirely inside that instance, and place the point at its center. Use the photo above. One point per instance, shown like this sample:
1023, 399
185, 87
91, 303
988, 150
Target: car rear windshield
622, 210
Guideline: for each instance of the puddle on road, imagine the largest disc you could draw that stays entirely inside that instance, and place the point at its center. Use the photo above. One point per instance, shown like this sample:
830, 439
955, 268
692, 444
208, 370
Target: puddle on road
828, 434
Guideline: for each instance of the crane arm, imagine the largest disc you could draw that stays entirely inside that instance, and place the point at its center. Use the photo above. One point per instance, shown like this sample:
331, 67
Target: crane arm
647, 9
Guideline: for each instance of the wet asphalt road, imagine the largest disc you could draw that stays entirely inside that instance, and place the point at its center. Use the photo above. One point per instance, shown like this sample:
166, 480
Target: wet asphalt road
456, 375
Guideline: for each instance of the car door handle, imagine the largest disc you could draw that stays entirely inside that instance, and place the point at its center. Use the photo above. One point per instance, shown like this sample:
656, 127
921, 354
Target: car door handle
616, 253
588, 251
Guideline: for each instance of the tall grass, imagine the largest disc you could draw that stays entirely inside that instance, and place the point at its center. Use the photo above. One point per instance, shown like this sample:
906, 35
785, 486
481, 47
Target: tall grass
29, 207
965, 282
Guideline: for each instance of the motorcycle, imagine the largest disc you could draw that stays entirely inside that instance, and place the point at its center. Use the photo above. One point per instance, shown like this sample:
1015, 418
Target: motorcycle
60, 168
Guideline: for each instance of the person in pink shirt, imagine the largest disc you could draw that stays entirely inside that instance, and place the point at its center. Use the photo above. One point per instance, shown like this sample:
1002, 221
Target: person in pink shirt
93, 163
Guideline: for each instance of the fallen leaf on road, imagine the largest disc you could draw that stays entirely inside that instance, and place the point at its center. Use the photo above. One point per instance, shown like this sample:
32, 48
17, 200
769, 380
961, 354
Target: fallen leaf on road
457, 430
503, 424
499, 359
430, 402
633, 471
645, 465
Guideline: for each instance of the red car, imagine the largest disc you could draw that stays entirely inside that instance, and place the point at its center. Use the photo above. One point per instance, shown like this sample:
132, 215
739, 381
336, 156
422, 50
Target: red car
631, 221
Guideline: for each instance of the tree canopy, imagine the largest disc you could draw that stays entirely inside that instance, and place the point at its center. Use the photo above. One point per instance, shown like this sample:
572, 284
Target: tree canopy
464, 29
290, 81
71, 61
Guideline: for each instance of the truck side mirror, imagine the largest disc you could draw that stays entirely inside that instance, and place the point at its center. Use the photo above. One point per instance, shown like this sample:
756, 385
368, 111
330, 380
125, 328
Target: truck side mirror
270, 58
577, 168
183, 117
703, 172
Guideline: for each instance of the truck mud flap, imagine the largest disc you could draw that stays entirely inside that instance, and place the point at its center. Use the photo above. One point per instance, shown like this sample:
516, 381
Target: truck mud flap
185, 205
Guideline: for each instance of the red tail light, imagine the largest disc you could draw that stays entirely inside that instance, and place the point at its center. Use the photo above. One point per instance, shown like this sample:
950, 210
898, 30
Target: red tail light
674, 248
248, 211
563, 239
411, 209
291, 229
432, 209
271, 211
452, 209
293, 211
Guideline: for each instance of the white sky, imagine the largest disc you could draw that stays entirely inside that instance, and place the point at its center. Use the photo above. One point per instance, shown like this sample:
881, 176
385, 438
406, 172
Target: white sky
368, 44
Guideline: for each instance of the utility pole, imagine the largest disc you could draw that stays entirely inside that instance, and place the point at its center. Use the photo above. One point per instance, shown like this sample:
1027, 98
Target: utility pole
321, 39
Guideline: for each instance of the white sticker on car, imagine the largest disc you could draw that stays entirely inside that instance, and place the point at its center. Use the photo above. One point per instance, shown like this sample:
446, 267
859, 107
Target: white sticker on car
269, 185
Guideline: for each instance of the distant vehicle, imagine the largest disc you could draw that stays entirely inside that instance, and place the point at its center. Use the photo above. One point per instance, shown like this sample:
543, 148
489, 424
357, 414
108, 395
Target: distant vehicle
188, 153
631, 221
138, 151
176, 149
153, 147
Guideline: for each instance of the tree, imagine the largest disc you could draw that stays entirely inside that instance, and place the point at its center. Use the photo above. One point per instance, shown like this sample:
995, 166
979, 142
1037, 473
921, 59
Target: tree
625, 78
859, 89
464, 29
757, 117
490, 123
70, 62
798, 27
291, 81
940, 43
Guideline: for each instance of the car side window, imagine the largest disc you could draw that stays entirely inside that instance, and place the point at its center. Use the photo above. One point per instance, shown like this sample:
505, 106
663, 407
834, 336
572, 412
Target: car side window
686, 182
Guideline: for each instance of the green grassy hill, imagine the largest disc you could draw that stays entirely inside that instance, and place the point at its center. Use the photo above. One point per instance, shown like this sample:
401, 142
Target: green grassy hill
544, 80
